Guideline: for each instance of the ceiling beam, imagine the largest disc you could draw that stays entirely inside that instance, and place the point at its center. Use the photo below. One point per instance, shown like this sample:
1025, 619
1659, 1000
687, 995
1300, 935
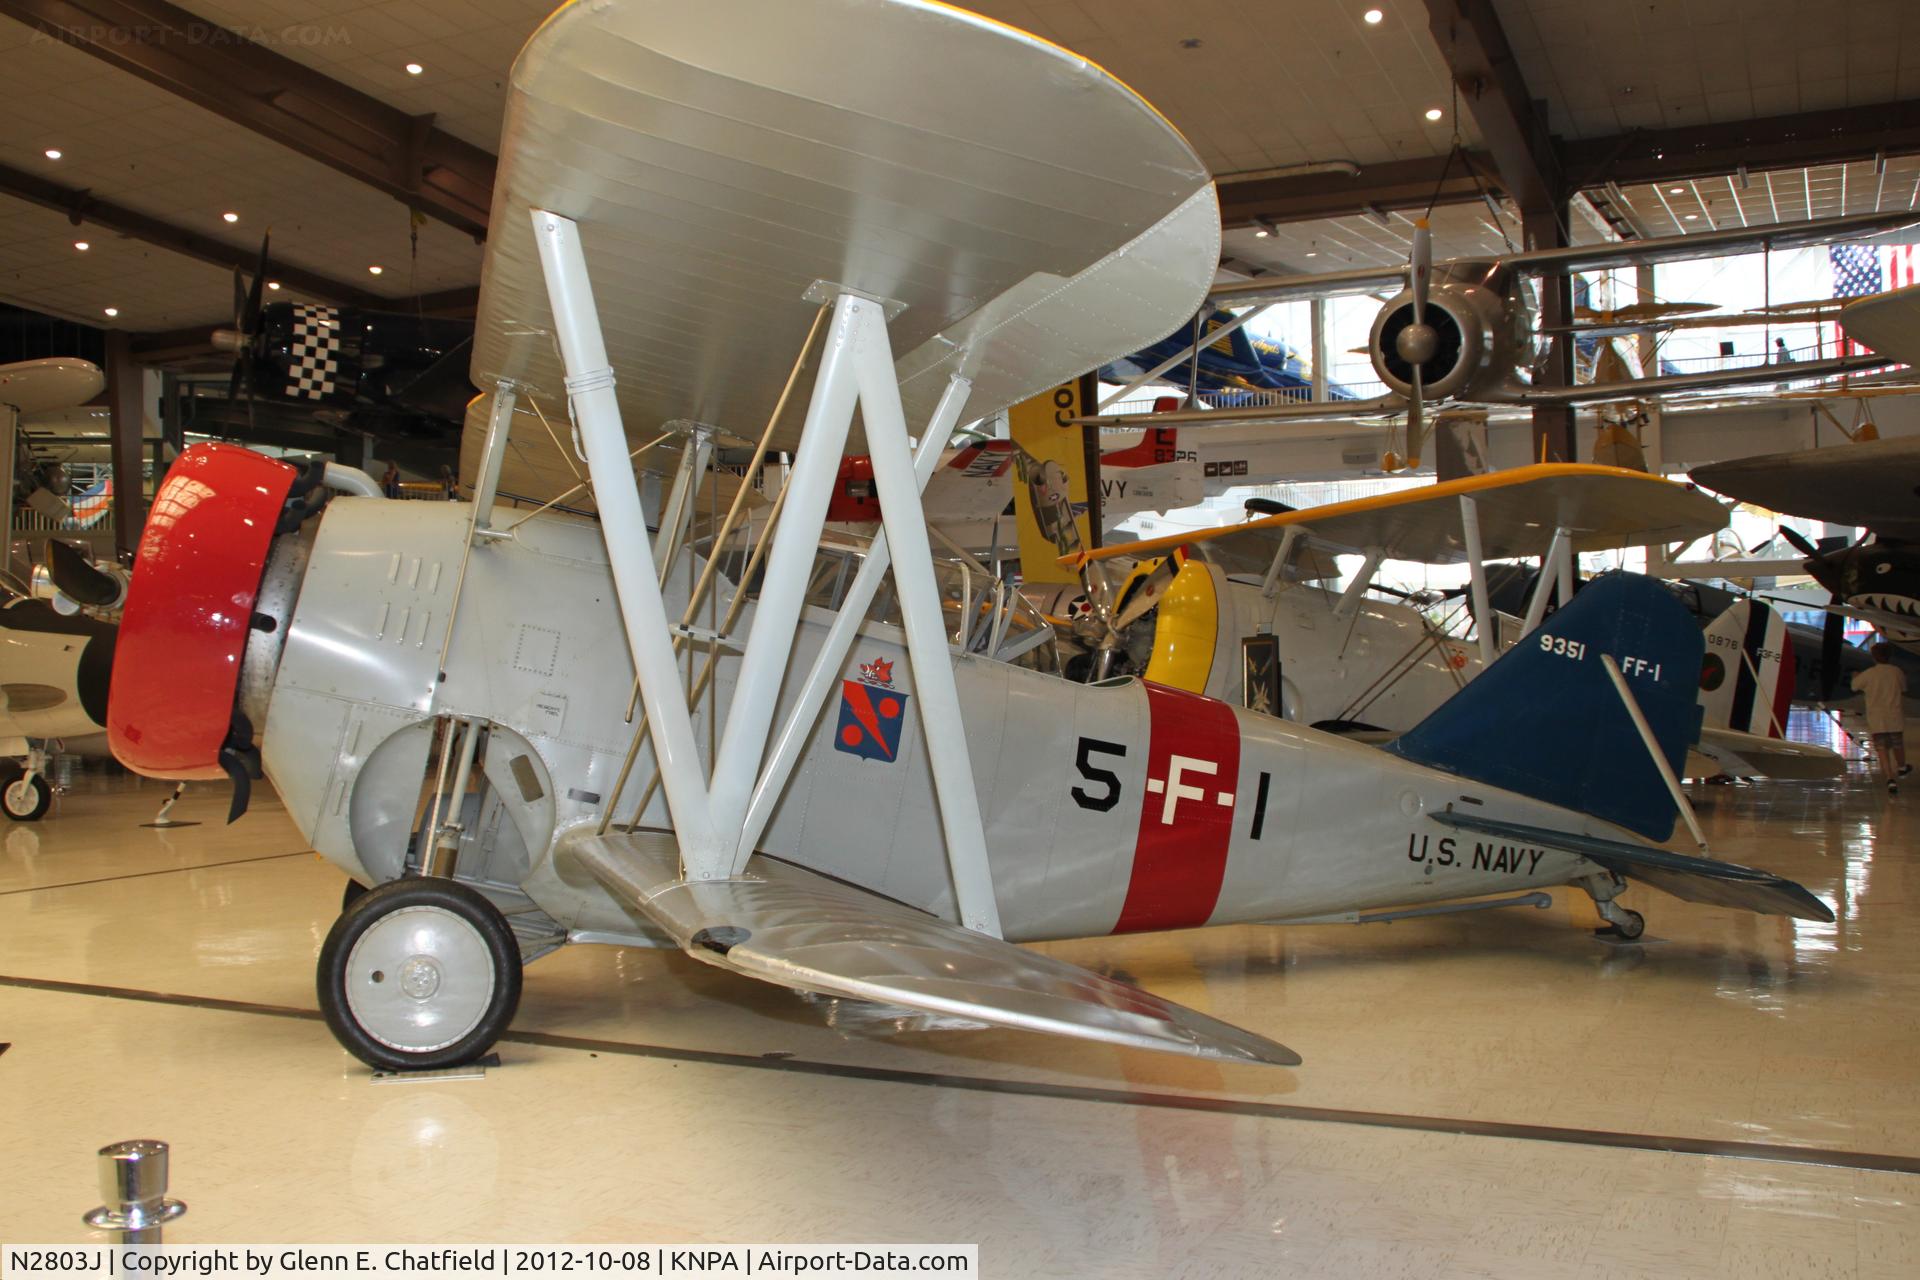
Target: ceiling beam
1809, 138
1512, 124
366, 139
81, 207
1399, 184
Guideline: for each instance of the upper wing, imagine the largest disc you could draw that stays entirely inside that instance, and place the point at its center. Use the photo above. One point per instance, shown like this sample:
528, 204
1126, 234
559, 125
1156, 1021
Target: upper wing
1871, 483
1604, 507
1030, 215
1675, 384
789, 926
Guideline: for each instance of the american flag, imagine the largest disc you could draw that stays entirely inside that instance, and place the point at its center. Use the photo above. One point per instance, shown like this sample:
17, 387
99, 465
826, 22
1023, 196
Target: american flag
1860, 269
1856, 271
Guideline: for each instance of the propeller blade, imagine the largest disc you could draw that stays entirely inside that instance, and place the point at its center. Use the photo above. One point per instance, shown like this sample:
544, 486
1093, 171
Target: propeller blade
239, 374
1416, 413
76, 577
1422, 268
1832, 637
239, 300
1799, 543
250, 317
1146, 596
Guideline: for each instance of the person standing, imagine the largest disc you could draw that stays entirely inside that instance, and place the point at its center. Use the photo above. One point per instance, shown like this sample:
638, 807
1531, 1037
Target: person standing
1885, 686
390, 482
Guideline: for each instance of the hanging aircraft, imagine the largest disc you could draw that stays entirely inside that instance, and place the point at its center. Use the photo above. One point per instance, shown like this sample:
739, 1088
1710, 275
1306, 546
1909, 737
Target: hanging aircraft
1229, 359
1465, 331
1873, 484
837, 805
396, 375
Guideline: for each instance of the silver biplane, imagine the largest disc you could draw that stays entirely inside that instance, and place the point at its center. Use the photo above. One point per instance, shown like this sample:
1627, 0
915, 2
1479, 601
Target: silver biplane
843, 791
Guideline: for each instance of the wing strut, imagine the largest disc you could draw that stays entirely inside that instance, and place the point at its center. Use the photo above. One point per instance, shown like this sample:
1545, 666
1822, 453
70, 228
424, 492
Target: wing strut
1483, 624
856, 372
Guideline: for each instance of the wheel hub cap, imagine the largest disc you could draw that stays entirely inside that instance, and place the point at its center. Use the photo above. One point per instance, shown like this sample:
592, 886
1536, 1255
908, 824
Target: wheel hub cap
419, 979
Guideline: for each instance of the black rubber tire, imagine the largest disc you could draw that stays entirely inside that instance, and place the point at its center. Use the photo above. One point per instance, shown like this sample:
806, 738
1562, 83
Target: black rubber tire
42, 797
374, 905
352, 894
1635, 926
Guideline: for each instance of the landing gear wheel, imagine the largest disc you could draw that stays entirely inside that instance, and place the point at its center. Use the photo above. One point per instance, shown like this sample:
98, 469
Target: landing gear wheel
351, 894
419, 974
1626, 925
26, 800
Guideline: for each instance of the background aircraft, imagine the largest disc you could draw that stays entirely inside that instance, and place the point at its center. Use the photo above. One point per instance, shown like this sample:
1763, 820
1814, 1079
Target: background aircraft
393, 375
1465, 331
54, 674
1873, 484
1234, 361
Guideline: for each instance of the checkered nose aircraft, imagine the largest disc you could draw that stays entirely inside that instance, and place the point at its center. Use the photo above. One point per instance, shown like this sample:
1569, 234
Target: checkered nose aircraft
382, 372
848, 773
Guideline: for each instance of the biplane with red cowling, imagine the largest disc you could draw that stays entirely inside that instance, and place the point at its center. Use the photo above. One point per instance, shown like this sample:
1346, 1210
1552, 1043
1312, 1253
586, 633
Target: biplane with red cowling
524, 729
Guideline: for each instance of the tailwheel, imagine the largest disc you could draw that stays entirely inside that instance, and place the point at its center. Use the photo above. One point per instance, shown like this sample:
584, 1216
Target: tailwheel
419, 974
1623, 923
26, 799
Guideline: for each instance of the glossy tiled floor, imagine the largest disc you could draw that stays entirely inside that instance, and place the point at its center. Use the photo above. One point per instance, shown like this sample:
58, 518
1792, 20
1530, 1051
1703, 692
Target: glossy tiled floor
1491, 1095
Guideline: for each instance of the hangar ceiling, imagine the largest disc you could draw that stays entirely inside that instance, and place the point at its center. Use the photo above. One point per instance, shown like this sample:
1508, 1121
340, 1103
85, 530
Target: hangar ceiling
1257, 87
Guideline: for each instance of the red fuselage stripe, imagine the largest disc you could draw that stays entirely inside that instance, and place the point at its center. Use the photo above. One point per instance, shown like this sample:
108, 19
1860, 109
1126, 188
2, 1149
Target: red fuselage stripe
1186, 815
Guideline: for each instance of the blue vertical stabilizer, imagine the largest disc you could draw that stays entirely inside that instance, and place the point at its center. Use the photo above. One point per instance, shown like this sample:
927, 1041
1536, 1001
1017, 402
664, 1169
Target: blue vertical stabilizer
1544, 720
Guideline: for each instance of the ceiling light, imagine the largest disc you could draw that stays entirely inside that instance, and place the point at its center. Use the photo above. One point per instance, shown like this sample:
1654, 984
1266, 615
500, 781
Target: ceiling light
1313, 253
82, 245
113, 311
1674, 191
273, 284
1374, 17
231, 217
1434, 113
376, 269
53, 153
1262, 232
1693, 217
414, 68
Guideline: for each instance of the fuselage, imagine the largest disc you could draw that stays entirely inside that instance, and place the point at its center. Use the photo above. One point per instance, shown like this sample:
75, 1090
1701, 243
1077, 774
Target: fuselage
1110, 808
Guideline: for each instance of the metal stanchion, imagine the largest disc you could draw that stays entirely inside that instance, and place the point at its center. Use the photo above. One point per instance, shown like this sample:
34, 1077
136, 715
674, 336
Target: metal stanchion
163, 818
133, 1182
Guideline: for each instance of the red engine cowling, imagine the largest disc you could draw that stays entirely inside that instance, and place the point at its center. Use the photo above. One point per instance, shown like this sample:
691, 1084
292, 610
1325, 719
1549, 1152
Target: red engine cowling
189, 610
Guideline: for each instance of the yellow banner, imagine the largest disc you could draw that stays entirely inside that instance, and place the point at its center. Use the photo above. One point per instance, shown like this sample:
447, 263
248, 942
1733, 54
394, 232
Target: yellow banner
1057, 469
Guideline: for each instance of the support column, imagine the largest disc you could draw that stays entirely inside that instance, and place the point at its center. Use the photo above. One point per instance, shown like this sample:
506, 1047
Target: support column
9, 430
1545, 227
1320, 376
124, 379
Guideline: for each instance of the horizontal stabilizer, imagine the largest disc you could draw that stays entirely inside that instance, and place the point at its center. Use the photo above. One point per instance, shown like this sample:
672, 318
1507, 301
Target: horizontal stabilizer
1722, 884
1749, 755
791, 927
